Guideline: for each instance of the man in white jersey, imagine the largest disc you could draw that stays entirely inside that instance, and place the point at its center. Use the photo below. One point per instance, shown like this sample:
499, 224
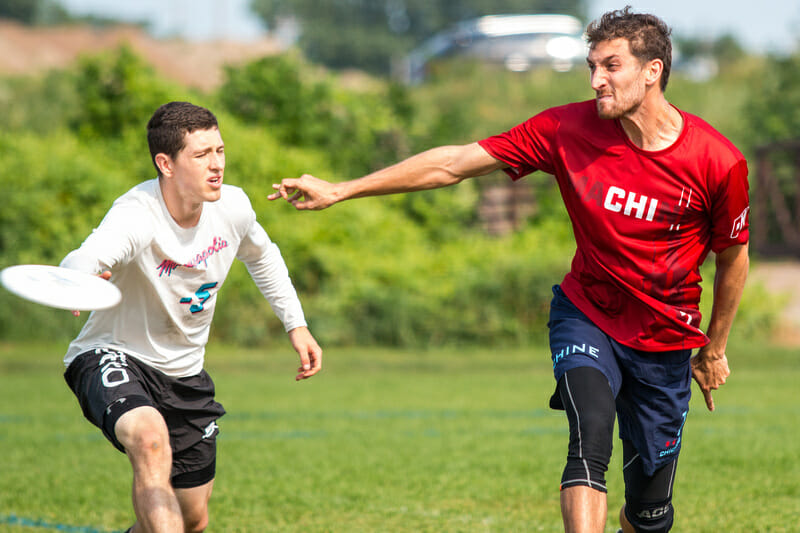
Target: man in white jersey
137, 369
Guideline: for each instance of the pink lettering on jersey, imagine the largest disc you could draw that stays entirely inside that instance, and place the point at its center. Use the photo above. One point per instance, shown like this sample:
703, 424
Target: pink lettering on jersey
167, 266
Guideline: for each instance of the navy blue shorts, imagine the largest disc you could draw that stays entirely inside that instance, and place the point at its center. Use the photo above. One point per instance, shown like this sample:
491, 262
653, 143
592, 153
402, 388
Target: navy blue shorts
652, 389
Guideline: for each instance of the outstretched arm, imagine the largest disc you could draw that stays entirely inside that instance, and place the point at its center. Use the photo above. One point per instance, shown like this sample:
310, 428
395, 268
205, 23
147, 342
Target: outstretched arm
438, 167
710, 365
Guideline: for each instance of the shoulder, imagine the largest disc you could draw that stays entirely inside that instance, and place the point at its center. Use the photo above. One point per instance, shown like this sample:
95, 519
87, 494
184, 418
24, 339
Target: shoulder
707, 140
574, 120
143, 195
233, 197
576, 112
234, 207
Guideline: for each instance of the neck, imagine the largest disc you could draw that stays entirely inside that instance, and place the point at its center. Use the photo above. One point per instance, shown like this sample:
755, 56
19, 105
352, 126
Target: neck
653, 125
185, 214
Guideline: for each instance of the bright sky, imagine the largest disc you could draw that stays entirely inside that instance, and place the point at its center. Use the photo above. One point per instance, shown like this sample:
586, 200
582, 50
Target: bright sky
760, 25
190, 19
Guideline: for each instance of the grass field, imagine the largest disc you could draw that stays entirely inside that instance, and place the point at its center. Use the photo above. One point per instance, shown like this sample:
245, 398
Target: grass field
393, 441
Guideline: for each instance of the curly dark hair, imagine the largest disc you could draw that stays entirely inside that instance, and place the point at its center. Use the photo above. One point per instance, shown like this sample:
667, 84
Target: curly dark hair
647, 35
169, 125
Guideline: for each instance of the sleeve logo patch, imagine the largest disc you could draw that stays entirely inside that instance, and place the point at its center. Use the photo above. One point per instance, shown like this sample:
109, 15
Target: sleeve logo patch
740, 223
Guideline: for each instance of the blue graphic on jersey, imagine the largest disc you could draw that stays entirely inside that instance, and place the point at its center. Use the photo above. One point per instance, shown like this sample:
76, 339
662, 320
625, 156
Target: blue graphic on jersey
202, 295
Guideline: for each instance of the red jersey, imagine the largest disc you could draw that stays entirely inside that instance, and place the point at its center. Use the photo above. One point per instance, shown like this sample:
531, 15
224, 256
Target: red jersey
643, 221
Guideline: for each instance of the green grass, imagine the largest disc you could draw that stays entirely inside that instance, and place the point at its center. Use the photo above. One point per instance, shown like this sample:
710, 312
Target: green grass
394, 441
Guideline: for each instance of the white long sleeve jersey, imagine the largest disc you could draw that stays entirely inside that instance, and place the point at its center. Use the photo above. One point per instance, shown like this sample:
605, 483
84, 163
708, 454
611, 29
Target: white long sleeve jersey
169, 276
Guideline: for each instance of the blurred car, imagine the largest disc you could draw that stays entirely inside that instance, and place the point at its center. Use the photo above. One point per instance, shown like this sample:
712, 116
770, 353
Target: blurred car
519, 42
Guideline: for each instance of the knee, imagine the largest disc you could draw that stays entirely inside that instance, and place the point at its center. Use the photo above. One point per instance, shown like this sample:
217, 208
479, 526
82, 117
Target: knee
144, 435
591, 412
650, 517
195, 522
590, 409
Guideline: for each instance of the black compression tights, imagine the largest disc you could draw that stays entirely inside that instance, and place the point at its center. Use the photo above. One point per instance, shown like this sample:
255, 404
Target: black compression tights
589, 404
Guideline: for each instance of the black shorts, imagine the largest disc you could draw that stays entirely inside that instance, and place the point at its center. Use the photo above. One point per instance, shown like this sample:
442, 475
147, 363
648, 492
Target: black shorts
108, 383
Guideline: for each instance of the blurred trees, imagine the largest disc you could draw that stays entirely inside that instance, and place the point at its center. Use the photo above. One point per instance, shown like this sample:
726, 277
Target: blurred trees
412, 270
33, 11
361, 130
367, 34
774, 110
725, 49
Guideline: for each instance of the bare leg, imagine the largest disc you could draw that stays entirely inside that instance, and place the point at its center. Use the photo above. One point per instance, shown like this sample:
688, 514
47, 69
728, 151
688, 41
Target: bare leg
143, 433
583, 510
623, 522
194, 506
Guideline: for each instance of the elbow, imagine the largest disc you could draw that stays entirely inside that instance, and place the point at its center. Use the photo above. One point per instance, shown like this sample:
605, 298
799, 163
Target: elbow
735, 259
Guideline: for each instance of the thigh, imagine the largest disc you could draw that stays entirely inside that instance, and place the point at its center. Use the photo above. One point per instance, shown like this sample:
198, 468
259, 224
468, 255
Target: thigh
191, 412
107, 384
575, 342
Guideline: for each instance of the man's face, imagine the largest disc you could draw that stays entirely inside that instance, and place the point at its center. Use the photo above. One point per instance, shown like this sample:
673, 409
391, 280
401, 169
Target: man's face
199, 166
617, 77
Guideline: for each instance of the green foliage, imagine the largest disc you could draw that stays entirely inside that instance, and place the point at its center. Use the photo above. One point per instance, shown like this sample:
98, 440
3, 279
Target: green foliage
368, 34
37, 105
59, 191
33, 11
726, 49
774, 110
116, 92
361, 129
407, 270
464, 100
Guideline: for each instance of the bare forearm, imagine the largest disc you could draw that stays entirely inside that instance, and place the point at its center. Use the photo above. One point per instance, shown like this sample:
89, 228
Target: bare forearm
438, 167
435, 168
732, 266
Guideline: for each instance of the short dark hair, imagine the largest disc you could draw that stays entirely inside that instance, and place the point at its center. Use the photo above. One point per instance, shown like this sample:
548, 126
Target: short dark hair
647, 35
169, 125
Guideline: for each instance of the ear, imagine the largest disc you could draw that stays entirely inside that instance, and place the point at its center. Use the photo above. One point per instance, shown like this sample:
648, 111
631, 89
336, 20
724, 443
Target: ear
653, 71
164, 164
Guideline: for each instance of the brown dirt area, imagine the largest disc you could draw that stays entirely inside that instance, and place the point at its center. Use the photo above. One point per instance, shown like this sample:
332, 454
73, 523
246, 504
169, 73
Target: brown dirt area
31, 50
782, 278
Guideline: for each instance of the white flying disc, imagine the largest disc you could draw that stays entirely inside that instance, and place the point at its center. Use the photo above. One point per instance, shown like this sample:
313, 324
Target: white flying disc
62, 288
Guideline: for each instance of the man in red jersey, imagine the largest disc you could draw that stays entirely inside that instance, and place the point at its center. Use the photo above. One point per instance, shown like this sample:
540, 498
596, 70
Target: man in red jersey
650, 190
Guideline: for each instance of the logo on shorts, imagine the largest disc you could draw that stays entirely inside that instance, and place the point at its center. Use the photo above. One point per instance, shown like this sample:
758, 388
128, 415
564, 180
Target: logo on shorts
573, 349
671, 446
210, 430
120, 401
113, 367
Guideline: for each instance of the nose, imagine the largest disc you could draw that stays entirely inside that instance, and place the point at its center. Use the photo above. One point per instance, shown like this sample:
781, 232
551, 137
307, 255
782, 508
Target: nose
217, 161
598, 79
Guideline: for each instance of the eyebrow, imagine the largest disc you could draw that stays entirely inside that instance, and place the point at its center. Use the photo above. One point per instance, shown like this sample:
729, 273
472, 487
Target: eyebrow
206, 149
603, 59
